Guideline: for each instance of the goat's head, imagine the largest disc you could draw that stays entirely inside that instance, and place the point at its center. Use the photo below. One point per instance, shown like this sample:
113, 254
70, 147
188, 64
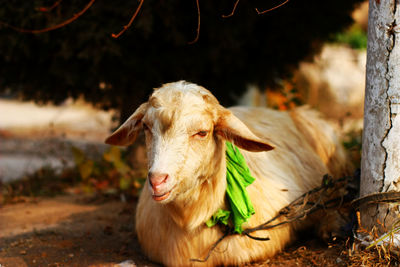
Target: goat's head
185, 127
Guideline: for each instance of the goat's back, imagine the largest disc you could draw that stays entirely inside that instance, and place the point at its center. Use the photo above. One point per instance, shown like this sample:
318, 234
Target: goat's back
300, 129
306, 148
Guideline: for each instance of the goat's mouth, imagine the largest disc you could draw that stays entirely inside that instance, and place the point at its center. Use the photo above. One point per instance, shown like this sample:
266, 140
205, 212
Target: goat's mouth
161, 197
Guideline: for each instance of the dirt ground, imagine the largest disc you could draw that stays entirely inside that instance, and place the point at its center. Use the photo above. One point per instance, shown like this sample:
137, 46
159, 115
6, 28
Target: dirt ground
72, 230
68, 230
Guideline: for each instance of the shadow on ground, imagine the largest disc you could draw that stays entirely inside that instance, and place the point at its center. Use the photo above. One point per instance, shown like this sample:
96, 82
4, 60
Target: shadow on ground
68, 231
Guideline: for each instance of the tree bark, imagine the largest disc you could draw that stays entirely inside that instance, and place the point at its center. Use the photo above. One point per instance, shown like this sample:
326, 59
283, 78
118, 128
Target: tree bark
380, 167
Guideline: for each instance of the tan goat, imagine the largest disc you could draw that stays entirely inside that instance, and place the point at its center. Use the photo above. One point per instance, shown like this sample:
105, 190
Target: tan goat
186, 129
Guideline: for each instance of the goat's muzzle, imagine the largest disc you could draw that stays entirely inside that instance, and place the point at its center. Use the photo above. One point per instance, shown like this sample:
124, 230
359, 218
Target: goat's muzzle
159, 186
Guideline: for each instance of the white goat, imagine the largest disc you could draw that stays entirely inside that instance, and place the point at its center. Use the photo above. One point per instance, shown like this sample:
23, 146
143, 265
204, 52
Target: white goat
186, 129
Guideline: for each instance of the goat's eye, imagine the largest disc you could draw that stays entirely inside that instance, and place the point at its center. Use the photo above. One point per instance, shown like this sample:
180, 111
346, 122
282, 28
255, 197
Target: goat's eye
201, 134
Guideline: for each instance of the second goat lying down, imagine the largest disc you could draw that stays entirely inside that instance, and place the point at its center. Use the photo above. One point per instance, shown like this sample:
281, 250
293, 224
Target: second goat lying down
186, 132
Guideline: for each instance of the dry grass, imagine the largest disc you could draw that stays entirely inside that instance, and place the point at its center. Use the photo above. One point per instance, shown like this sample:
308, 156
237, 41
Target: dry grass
370, 249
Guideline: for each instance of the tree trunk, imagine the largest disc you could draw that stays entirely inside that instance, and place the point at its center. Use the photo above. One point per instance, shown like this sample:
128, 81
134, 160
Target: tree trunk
380, 167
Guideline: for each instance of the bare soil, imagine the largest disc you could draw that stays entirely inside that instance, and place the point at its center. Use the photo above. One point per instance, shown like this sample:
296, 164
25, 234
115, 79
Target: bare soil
68, 230
73, 230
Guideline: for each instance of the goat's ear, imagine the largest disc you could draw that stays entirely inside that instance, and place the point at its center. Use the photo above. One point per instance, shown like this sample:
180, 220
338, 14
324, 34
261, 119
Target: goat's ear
235, 131
126, 134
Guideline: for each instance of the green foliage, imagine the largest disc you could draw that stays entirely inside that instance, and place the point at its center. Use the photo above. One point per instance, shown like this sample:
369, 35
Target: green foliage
355, 37
82, 58
353, 143
109, 175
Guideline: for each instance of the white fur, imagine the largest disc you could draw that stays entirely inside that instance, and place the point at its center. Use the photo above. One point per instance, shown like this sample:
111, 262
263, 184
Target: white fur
172, 231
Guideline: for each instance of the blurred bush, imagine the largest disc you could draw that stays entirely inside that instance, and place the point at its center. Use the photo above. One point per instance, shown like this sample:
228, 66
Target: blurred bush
355, 37
110, 175
353, 144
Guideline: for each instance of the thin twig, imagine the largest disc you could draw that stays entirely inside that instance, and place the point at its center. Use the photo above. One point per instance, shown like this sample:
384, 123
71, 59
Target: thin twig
130, 21
381, 197
265, 226
268, 10
303, 209
50, 8
227, 233
287, 210
198, 24
233, 10
64, 23
256, 237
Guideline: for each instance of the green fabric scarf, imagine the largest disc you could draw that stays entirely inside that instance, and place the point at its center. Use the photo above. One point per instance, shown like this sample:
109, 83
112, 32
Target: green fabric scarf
238, 177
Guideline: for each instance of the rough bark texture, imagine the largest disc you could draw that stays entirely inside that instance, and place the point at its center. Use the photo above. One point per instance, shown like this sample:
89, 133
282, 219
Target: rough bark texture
381, 140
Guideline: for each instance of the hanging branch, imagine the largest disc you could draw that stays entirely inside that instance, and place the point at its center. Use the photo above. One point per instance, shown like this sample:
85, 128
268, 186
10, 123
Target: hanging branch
51, 28
258, 11
198, 24
50, 8
268, 10
233, 10
130, 21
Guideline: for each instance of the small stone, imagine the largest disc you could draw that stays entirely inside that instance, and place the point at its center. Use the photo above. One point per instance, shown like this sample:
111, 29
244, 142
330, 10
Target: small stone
127, 263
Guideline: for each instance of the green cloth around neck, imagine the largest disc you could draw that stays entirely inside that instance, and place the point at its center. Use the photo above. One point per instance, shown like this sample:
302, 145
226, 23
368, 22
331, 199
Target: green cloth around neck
238, 177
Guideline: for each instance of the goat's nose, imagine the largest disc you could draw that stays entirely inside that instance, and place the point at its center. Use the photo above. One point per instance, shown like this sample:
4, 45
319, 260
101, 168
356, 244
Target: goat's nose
157, 179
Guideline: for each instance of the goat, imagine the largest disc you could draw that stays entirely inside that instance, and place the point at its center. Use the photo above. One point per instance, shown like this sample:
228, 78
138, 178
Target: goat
185, 131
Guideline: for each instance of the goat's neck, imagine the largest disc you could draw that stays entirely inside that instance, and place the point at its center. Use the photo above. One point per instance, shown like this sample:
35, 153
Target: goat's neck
198, 205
